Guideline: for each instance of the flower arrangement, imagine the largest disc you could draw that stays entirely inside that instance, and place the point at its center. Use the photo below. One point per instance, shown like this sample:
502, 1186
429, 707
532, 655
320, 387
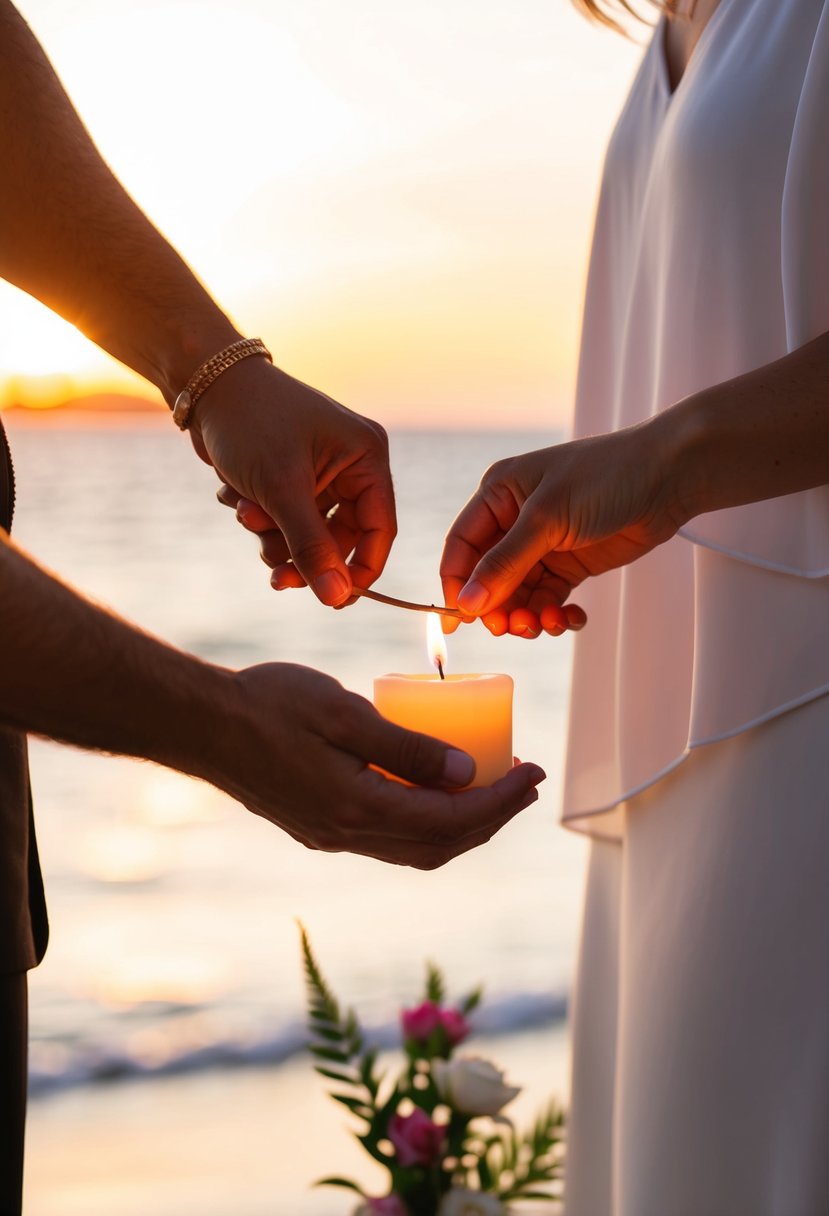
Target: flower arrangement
437, 1128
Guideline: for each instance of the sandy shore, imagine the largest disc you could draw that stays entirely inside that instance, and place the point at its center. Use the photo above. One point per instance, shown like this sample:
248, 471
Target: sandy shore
244, 1143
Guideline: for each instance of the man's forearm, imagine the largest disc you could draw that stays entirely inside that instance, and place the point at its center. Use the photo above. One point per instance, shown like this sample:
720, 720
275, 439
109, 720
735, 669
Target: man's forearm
71, 236
72, 671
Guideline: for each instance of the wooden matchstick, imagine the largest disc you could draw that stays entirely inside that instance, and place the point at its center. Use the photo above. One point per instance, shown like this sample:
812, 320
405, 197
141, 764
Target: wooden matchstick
395, 603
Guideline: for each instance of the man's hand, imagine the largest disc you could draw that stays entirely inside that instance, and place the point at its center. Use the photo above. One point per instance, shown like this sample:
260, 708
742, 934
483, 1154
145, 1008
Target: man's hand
301, 751
287, 741
85, 249
309, 476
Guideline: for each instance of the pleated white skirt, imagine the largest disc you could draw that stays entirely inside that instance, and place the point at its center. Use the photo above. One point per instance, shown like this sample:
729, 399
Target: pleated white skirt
701, 1011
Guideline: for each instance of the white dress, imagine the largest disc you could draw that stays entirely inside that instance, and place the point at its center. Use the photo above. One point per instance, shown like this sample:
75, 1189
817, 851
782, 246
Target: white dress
699, 742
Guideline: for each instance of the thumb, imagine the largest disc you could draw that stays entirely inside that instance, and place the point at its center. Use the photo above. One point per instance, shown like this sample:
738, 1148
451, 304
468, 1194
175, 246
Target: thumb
417, 758
505, 566
312, 547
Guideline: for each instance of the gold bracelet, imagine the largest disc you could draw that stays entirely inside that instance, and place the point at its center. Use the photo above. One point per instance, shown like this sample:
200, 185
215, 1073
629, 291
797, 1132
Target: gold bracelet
204, 376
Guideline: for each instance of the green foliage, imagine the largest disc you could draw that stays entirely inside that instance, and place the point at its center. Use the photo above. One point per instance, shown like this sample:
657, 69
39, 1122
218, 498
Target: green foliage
514, 1164
343, 1182
510, 1165
435, 985
468, 1003
337, 1043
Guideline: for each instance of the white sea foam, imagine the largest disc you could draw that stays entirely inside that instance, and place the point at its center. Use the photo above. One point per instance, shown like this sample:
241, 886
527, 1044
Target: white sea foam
59, 1066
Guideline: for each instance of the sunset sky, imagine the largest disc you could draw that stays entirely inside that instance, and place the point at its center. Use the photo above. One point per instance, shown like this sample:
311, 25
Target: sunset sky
397, 196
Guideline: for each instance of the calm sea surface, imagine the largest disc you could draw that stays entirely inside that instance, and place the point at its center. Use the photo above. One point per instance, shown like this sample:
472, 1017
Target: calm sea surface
174, 944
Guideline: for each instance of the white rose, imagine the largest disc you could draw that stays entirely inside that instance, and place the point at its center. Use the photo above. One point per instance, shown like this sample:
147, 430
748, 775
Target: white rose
459, 1202
472, 1085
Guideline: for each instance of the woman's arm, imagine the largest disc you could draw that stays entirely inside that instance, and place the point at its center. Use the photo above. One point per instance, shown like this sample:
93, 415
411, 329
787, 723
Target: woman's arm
758, 436
288, 742
542, 522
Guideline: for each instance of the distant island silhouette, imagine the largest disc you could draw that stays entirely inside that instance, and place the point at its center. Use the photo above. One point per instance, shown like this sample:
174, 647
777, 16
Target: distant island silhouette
91, 403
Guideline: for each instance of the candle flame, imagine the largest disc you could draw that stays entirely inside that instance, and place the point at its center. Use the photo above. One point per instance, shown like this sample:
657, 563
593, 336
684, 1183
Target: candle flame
435, 641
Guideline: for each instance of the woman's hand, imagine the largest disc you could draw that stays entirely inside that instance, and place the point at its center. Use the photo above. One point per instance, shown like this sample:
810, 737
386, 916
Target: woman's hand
311, 477
542, 522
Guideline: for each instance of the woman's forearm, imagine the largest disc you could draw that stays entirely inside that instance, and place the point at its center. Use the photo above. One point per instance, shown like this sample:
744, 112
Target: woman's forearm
71, 236
755, 437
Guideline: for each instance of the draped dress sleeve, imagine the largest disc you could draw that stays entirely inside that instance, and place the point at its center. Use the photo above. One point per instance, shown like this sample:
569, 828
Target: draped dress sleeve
710, 258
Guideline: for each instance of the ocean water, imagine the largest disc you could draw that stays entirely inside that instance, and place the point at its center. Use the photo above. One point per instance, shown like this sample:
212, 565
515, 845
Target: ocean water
174, 942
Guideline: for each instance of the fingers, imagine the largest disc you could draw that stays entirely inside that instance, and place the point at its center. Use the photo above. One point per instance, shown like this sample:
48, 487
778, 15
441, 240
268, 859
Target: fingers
576, 616
451, 588
286, 577
374, 527
312, 547
504, 566
275, 553
441, 824
249, 514
553, 619
361, 491
425, 855
474, 531
253, 517
227, 496
365, 529
272, 544
523, 623
440, 816
417, 758
497, 622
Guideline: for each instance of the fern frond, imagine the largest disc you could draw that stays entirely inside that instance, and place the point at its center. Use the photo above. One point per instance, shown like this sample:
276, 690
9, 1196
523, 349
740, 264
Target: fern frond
321, 1000
536, 1156
337, 1044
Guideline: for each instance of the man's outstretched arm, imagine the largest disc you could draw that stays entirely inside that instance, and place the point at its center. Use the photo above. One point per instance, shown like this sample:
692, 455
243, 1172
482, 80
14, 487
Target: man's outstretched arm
288, 742
71, 236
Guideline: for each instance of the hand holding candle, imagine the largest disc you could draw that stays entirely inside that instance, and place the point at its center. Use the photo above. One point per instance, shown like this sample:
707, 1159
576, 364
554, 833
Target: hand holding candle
473, 712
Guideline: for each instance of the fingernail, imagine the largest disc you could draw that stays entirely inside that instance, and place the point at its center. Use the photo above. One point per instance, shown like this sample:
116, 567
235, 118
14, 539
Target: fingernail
331, 587
458, 768
536, 774
473, 597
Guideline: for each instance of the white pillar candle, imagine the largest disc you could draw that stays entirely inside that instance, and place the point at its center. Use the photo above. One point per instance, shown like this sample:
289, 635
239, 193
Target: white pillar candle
473, 712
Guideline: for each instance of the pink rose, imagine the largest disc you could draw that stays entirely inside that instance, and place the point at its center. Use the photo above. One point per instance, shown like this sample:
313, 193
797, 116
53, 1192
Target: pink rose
419, 1023
455, 1025
389, 1205
416, 1138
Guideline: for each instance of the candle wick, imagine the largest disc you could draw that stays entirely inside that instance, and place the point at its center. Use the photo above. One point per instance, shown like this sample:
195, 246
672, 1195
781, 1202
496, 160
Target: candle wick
440, 669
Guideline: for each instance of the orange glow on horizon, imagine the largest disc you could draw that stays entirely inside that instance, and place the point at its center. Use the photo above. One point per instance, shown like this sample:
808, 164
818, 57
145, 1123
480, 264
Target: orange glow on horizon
411, 239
